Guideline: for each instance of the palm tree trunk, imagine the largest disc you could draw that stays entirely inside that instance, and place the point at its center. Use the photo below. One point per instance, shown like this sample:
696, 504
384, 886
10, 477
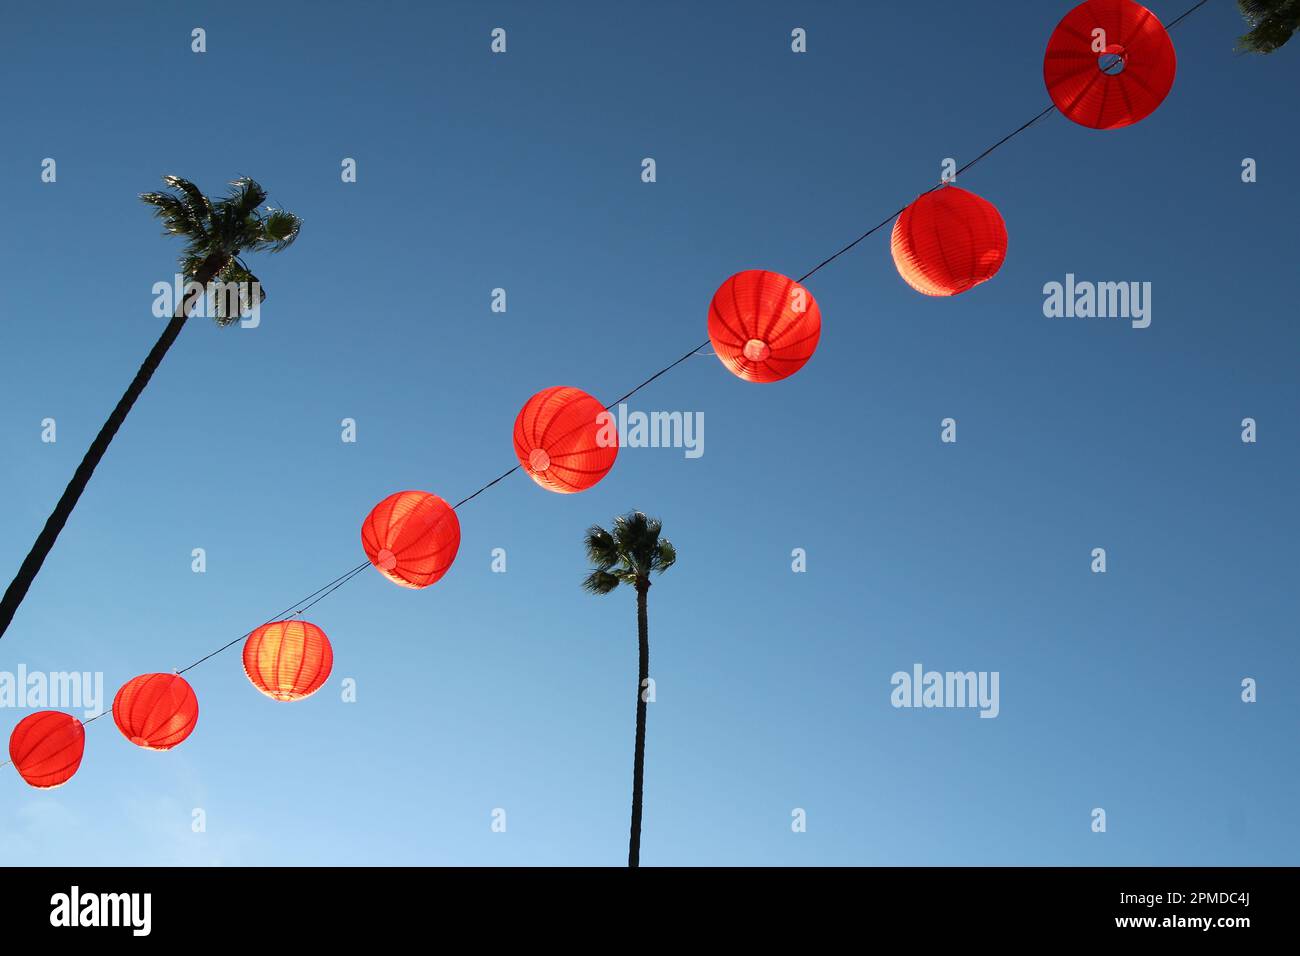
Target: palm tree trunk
638, 761
31, 565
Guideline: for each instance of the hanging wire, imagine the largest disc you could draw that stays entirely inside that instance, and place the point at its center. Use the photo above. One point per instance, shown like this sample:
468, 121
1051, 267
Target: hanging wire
327, 590
1185, 14
323, 592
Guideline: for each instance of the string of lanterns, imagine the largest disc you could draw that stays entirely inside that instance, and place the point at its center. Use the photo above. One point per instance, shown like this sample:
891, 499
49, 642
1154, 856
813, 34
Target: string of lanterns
1109, 64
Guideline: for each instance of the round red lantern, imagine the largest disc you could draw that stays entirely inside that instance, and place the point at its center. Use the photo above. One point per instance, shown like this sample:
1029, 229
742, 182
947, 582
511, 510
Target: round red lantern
763, 326
565, 439
156, 711
1109, 63
46, 748
288, 660
411, 537
947, 241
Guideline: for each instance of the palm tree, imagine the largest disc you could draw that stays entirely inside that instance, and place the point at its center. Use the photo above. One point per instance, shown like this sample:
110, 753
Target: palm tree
628, 556
215, 234
1271, 24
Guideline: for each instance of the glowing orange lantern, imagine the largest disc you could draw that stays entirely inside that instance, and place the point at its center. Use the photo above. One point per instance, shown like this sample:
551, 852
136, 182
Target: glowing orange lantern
288, 660
46, 748
947, 241
565, 440
412, 538
763, 326
156, 711
1109, 64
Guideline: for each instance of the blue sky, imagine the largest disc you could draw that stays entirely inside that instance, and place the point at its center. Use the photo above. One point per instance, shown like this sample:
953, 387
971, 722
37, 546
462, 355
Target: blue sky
514, 690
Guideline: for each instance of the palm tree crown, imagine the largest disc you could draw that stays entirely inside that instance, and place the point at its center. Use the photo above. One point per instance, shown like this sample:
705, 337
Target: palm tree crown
629, 554
217, 232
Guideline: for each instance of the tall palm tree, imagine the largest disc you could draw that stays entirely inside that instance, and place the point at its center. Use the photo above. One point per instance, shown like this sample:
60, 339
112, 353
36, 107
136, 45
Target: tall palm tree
215, 234
1271, 24
629, 555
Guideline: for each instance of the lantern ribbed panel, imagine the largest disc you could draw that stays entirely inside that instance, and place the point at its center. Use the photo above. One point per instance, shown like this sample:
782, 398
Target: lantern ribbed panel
1105, 100
948, 241
411, 537
763, 326
565, 440
156, 711
46, 748
288, 660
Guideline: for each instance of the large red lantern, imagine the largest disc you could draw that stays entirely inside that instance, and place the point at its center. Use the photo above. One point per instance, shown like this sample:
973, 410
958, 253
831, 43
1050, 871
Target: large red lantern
412, 538
565, 439
288, 660
763, 326
947, 241
156, 711
1109, 63
46, 748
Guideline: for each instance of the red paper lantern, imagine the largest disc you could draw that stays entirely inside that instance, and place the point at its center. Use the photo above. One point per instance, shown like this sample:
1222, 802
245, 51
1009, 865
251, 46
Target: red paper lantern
288, 660
411, 537
565, 439
948, 241
156, 711
46, 748
763, 326
1109, 63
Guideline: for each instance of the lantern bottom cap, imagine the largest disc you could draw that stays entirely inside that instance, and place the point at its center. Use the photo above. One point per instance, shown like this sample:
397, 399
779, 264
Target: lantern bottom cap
1119, 60
756, 350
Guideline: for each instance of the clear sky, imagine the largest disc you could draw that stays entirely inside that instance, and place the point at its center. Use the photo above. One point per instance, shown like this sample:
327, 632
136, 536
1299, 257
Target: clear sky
523, 171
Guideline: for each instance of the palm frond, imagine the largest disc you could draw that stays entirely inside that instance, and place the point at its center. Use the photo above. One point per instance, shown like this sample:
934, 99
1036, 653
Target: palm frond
638, 539
1273, 22
172, 212
235, 218
196, 251
666, 555
600, 582
244, 198
278, 230
233, 295
190, 263
629, 528
602, 549
198, 205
